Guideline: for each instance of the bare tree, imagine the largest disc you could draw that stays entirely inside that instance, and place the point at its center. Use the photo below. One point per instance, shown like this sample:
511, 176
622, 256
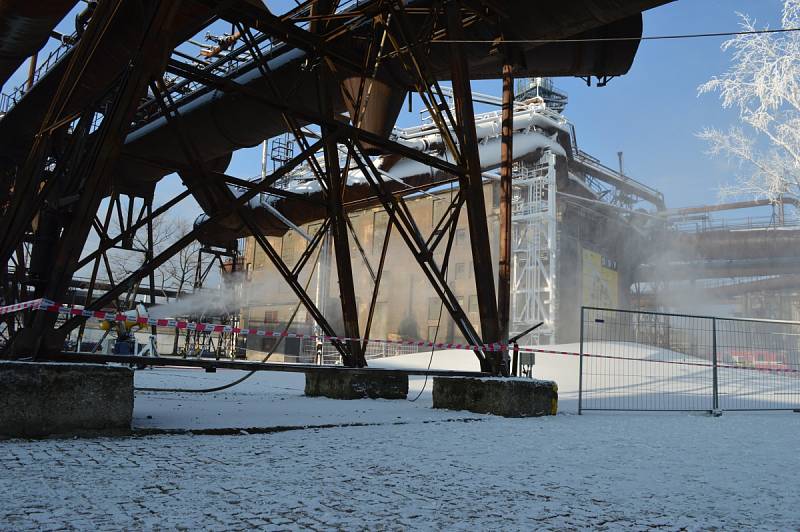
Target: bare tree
176, 274
179, 271
763, 86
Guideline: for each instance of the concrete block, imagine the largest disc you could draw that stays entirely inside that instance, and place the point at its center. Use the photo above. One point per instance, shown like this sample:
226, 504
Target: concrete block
44, 399
507, 397
356, 384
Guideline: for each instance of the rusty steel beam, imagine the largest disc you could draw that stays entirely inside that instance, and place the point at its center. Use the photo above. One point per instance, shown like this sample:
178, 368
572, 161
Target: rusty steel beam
341, 243
93, 174
260, 18
29, 194
243, 183
201, 182
506, 163
405, 225
107, 244
191, 236
472, 187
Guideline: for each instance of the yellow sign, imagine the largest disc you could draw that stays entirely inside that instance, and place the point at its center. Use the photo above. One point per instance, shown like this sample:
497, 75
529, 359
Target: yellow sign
600, 281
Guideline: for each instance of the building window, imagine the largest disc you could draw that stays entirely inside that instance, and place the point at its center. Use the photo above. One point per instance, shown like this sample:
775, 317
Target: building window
434, 304
380, 222
313, 229
461, 270
461, 236
271, 316
473, 303
352, 232
288, 250
432, 330
439, 209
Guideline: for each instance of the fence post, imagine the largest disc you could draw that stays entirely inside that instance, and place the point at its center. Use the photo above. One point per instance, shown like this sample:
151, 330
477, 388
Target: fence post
714, 363
515, 360
580, 368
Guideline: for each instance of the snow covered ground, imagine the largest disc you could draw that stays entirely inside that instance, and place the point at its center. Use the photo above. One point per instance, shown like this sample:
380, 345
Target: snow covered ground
270, 399
406, 466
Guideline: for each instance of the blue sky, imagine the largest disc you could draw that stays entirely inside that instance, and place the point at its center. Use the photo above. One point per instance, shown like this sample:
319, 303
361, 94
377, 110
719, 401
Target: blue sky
652, 114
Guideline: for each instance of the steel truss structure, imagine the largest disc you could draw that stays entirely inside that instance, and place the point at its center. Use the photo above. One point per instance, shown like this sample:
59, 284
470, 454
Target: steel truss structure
534, 219
361, 58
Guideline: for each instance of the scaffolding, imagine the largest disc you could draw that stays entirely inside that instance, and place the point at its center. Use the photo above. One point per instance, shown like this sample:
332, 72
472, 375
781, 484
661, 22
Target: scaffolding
534, 249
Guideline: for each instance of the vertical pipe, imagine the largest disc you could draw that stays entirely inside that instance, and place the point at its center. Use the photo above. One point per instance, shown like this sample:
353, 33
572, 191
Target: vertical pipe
506, 162
321, 294
264, 160
31, 71
515, 362
150, 255
552, 239
580, 367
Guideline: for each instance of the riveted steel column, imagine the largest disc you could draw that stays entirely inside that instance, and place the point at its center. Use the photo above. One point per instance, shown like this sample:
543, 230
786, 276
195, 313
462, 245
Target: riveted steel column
506, 161
472, 185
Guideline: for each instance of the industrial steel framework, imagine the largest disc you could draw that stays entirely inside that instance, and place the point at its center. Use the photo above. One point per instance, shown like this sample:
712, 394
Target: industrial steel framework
534, 219
51, 197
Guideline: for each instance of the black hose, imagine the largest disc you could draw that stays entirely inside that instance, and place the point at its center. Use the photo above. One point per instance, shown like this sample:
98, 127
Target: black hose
250, 374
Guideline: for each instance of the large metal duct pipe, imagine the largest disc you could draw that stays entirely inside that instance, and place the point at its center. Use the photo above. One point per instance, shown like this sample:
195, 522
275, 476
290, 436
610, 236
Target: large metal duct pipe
220, 122
784, 282
378, 107
25, 27
745, 244
716, 269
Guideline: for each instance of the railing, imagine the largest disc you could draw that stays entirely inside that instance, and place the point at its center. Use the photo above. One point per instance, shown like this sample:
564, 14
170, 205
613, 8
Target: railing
330, 356
307, 351
632, 360
643, 191
7, 101
706, 223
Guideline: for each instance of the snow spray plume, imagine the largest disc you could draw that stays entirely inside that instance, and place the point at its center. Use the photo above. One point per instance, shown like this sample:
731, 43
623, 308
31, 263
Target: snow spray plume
236, 293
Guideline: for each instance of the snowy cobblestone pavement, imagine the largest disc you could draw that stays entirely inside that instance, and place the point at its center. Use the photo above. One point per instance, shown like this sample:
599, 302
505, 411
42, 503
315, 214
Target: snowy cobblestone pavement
632, 471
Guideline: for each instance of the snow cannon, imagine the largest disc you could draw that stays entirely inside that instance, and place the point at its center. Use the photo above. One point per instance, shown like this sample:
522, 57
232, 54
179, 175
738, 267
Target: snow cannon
131, 320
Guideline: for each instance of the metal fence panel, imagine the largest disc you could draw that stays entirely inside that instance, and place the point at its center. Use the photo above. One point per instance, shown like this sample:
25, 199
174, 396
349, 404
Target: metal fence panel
759, 364
633, 360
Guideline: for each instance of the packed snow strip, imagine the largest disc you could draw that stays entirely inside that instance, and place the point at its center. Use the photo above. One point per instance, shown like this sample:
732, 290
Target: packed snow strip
602, 472
276, 398
270, 399
267, 399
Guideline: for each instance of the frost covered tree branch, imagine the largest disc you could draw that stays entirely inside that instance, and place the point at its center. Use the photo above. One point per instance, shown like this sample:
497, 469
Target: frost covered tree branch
763, 86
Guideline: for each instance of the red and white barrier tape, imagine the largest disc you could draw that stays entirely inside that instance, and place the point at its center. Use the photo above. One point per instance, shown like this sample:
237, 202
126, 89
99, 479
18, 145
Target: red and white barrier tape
50, 306
16, 307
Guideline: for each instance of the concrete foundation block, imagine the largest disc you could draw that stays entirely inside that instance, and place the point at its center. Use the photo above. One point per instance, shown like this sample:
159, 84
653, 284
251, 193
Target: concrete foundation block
356, 384
40, 399
507, 397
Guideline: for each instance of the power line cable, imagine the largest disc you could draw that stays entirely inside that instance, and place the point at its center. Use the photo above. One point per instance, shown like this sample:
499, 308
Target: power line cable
617, 39
439, 320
